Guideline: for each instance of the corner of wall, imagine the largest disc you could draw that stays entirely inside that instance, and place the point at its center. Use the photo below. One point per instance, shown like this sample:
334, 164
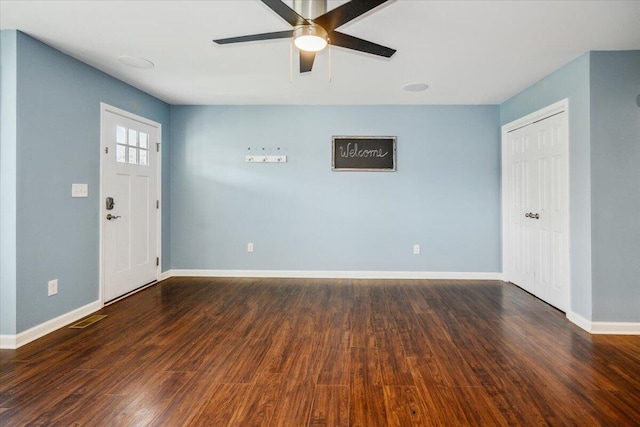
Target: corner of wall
570, 81
8, 121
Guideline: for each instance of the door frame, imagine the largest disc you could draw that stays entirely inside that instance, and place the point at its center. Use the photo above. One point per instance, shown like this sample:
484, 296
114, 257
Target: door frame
536, 116
106, 108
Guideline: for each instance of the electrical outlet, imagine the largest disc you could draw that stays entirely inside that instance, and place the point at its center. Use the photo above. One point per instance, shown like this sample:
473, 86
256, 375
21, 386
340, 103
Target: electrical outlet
52, 287
416, 249
249, 247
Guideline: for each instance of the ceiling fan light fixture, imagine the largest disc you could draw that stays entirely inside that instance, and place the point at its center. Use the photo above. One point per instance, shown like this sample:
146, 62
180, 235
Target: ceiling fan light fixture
310, 38
313, 28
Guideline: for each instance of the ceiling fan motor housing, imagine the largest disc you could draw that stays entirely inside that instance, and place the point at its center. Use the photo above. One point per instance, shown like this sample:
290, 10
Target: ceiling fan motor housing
310, 9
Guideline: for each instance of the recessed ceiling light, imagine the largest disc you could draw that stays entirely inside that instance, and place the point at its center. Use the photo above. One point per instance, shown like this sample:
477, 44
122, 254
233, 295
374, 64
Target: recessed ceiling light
136, 62
415, 87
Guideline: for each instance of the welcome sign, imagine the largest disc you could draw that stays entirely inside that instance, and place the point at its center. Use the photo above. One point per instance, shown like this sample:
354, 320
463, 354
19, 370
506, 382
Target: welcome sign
363, 153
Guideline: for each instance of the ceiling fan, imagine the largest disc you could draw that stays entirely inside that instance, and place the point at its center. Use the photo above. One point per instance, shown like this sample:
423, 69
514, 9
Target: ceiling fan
314, 28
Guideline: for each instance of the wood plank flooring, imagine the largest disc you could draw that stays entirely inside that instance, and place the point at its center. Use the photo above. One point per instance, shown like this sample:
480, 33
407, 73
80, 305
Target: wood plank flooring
294, 352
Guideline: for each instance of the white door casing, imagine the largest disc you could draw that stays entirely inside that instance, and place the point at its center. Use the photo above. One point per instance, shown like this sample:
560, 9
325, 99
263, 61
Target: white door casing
130, 171
536, 204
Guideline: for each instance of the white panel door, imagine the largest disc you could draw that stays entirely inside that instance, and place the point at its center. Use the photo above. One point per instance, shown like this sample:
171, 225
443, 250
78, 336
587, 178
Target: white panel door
537, 229
551, 215
129, 207
522, 184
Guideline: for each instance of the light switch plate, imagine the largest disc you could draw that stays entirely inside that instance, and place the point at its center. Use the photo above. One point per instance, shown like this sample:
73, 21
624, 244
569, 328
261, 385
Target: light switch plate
79, 190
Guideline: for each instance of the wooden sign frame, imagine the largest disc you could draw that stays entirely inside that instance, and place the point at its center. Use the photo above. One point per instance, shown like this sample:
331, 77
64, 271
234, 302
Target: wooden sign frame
364, 153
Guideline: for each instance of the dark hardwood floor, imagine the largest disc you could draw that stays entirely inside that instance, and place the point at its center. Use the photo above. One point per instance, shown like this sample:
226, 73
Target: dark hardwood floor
288, 352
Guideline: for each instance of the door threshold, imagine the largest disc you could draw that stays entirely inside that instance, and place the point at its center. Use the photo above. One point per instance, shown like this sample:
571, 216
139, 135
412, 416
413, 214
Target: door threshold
136, 290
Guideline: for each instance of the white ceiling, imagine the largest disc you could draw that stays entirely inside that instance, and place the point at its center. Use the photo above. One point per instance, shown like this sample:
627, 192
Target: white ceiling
468, 52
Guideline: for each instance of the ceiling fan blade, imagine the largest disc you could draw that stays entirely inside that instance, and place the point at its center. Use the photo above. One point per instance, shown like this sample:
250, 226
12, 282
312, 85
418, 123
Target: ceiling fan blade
306, 61
350, 42
256, 37
286, 13
345, 13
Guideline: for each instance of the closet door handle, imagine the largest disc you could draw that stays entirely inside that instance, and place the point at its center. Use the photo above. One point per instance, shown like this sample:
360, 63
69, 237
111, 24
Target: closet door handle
537, 216
527, 215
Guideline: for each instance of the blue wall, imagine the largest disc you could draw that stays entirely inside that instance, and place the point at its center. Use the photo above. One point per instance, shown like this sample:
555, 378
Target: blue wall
302, 216
615, 185
8, 97
572, 82
58, 143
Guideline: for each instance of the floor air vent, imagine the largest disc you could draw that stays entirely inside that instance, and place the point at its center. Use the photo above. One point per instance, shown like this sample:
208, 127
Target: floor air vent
88, 321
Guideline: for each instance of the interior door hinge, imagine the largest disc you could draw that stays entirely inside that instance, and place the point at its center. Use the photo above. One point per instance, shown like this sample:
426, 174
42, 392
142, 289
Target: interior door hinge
157, 204
106, 150
158, 147
157, 260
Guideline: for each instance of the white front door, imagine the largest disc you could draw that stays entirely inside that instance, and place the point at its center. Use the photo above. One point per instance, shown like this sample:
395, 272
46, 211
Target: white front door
537, 232
129, 205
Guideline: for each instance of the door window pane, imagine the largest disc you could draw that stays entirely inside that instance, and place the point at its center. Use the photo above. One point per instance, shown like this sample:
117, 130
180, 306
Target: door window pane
133, 137
143, 157
144, 139
121, 153
133, 155
121, 135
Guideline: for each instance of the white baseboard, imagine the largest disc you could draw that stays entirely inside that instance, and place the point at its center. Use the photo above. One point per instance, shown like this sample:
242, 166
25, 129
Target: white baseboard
311, 274
579, 321
616, 328
15, 341
165, 275
605, 328
7, 342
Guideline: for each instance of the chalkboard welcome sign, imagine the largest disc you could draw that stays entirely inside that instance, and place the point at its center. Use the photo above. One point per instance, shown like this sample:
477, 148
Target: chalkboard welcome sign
363, 153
